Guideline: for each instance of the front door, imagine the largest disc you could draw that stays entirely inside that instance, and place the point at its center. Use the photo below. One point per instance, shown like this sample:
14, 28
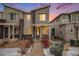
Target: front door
37, 32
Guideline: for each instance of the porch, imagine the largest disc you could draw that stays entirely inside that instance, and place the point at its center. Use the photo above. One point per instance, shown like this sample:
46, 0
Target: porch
40, 30
8, 31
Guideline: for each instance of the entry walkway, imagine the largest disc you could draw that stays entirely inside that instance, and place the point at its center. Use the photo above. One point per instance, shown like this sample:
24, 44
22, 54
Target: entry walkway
37, 49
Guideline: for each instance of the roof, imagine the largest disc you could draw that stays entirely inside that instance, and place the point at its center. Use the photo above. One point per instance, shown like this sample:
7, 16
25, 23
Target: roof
41, 8
59, 16
16, 9
63, 14
25, 11
1, 12
74, 12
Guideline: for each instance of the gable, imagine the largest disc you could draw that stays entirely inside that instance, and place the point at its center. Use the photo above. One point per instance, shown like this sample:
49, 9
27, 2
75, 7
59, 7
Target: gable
8, 10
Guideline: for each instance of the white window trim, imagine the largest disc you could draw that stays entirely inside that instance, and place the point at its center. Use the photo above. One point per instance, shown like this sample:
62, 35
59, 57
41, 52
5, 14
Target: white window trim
13, 19
43, 14
29, 16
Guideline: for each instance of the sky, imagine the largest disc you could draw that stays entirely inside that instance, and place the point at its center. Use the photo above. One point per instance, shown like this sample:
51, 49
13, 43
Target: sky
54, 11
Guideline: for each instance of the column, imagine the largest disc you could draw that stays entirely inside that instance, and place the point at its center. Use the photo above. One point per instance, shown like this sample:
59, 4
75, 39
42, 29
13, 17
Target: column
9, 32
41, 32
13, 32
3, 32
32, 33
49, 33
35, 32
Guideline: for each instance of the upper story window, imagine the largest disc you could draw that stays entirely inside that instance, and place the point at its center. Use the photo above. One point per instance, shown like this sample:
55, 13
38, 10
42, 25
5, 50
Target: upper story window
28, 17
69, 18
42, 17
78, 17
1, 16
13, 16
65, 17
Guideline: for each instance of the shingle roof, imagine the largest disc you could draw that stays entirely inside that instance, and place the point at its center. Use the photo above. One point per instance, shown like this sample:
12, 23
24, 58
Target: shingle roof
75, 12
25, 11
1, 11
63, 14
41, 8
59, 16
16, 9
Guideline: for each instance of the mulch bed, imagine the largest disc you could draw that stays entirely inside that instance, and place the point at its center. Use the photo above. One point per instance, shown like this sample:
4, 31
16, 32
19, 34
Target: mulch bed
18, 44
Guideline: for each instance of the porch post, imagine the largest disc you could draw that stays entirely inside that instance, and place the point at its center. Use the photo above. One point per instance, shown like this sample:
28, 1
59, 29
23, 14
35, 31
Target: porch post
3, 32
9, 32
49, 33
35, 33
13, 32
41, 32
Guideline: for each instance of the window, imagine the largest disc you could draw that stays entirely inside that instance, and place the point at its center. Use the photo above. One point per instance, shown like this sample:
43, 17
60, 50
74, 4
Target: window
28, 17
53, 31
13, 16
71, 29
2, 16
78, 18
42, 17
45, 30
65, 17
69, 18
73, 18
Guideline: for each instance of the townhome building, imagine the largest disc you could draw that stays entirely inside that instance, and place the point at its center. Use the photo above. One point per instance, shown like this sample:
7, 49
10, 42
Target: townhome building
66, 26
18, 24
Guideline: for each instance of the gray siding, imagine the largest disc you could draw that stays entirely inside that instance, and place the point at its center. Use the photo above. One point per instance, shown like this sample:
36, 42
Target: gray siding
37, 20
27, 24
7, 11
74, 17
1, 16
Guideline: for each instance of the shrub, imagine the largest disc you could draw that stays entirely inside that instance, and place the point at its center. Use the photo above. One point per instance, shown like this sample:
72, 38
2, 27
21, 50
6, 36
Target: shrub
77, 43
57, 49
74, 42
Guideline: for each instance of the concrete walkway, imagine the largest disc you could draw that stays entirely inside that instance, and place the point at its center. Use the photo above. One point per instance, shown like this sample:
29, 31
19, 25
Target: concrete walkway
37, 49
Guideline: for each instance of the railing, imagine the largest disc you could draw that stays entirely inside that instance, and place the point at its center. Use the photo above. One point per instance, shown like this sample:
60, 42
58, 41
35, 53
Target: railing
2, 20
66, 21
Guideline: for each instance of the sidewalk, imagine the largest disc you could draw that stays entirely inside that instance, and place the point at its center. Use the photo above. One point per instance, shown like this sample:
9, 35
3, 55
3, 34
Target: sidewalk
37, 49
